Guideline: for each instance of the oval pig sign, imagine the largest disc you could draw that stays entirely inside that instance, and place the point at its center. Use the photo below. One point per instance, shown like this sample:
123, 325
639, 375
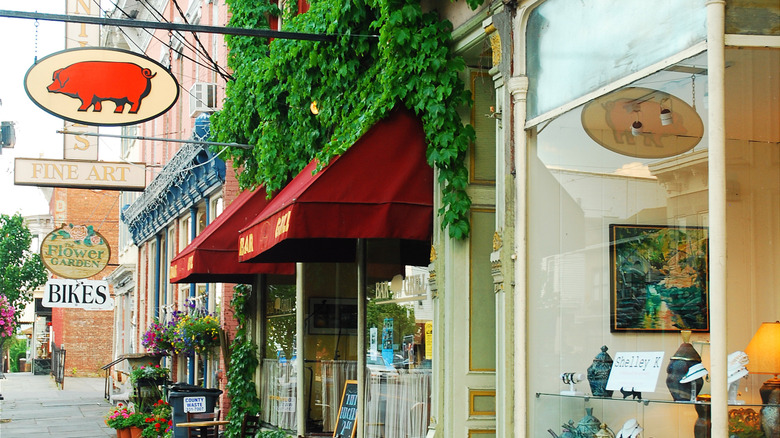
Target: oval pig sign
101, 87
75, 251
642, 123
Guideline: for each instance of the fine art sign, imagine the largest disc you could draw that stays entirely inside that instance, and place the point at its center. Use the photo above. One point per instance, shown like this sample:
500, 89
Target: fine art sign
659, 278
101, 87
75, 251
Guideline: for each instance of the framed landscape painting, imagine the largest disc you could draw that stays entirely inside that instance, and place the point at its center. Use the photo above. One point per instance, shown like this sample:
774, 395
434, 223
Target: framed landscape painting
659, 278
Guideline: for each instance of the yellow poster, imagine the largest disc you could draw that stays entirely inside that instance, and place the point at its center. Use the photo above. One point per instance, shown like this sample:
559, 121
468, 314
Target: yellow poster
429, 340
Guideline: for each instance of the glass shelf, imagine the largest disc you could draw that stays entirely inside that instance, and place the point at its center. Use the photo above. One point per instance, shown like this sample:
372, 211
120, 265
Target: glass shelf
644, 401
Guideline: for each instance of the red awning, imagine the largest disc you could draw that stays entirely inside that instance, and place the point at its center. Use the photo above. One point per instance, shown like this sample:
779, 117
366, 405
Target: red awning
381, 189
213, 255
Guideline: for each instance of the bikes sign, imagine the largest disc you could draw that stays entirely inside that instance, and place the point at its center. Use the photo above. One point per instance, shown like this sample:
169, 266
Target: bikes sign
101, 87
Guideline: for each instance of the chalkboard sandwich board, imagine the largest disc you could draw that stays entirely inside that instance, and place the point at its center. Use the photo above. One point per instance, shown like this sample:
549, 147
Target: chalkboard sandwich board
345, 425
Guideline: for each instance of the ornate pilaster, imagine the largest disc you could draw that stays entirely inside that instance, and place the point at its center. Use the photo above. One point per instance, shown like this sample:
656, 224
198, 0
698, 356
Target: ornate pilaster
432, 274
496, 263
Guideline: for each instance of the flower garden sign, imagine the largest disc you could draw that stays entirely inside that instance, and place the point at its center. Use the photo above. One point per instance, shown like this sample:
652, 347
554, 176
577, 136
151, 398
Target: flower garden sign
76, 252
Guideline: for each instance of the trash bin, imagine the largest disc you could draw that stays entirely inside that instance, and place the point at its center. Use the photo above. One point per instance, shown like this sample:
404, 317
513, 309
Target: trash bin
185, 398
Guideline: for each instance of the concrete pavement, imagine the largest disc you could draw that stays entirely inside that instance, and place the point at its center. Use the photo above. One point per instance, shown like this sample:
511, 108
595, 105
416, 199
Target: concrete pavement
34, 407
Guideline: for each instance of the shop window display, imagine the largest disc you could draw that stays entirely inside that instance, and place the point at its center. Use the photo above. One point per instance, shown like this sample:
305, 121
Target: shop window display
279, 380
619, 254
398, 364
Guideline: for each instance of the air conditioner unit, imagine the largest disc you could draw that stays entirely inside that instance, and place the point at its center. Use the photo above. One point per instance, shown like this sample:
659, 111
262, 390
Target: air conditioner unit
203, 98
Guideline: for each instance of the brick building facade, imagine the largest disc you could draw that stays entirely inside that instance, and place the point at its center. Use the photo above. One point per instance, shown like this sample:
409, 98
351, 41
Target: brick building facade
86, 334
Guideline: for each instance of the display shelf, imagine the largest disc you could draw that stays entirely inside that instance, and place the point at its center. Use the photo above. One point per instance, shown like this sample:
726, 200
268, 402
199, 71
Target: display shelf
643, 401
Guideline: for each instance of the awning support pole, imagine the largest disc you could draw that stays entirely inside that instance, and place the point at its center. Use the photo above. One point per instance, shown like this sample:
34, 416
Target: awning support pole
300, 408
361, 335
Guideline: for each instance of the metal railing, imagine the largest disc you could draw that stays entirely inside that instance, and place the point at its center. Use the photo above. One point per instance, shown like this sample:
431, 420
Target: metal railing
58, 365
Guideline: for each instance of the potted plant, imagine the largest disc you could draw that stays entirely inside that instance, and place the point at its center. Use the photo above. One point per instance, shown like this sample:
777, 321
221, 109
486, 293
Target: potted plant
151, 373
136, 424
158, 422
146, 381
117, 418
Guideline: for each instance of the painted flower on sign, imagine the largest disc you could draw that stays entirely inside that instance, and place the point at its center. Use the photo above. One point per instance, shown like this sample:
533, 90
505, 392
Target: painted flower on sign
79, 234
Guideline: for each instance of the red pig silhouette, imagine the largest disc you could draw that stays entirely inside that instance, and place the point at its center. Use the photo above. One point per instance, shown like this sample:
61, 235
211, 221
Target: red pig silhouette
93, 82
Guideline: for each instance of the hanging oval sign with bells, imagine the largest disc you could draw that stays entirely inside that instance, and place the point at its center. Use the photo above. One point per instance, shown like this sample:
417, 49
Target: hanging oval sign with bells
642, 123
101, 87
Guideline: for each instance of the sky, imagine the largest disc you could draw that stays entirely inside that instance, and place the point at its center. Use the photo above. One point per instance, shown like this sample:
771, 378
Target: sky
36, 130
36, 135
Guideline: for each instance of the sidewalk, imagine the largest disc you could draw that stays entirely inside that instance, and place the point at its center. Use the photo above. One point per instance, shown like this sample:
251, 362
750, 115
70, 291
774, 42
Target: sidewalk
35, 407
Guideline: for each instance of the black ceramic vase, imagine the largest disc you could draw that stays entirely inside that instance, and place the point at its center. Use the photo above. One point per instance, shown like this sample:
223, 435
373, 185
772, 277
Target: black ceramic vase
703, 426
684, 358
598, 374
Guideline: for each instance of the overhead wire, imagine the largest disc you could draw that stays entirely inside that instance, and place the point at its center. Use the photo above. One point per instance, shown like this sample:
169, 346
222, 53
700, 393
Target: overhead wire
161, 17
158, 15
129, 38
197, 39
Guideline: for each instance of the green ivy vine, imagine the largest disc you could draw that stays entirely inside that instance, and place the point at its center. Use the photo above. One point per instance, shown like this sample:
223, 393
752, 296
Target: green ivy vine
243, 363
355, 82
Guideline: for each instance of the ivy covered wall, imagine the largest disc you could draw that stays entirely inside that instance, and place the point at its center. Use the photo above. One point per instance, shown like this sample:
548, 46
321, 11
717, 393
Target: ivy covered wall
297, 100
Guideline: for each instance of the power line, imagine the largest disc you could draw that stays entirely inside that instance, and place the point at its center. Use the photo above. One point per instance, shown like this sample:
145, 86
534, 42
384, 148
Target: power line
159, 15
195, 35
180, 27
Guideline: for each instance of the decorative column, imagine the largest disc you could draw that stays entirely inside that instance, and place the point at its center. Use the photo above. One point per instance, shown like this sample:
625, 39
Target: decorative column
716, 55
518, 87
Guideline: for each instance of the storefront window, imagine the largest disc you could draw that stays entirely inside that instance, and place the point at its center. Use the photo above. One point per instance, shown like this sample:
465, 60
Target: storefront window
619, 253
278, 379
398, 349
398, 362
619, 250
629, 35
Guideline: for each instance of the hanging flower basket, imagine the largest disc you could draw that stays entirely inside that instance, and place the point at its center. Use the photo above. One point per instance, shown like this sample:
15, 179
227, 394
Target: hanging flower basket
195, 334
157, 338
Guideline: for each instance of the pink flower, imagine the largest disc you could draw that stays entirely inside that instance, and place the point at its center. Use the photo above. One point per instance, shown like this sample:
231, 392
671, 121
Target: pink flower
78, 232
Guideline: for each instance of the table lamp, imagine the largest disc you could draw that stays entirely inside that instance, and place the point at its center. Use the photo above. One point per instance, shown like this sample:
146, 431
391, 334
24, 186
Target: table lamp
764, 353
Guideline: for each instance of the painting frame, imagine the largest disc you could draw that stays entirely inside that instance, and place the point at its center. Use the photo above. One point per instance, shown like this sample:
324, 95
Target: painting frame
659, 278
332, 316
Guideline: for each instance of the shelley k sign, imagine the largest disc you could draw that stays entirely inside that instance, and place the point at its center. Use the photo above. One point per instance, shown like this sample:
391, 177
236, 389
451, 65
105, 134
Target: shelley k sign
101, 87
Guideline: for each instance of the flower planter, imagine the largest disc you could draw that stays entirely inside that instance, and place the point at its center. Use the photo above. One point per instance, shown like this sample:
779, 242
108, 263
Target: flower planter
135, 432
123, 433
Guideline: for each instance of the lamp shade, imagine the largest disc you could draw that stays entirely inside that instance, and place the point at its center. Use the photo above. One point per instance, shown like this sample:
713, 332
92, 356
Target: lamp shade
764, 349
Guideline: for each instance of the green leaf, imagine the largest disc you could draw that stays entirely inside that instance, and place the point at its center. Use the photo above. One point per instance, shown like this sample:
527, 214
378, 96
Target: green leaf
356, 81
